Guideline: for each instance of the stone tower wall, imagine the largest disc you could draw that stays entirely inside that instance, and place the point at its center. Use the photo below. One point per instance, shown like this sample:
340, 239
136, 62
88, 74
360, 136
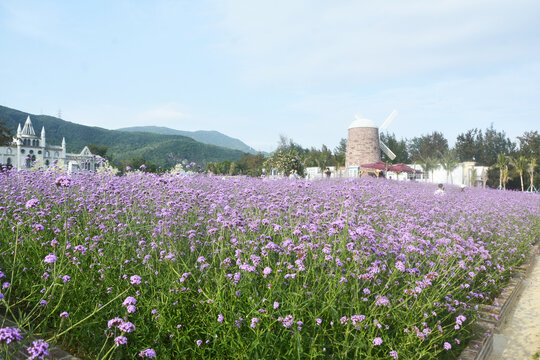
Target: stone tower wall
362, 146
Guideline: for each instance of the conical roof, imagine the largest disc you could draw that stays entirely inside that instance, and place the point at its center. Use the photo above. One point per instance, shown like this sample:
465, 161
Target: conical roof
28, 129
362, 122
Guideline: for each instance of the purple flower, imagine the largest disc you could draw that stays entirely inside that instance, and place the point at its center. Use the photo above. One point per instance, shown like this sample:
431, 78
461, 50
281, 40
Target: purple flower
220, 318
149, 353
114, 322
126, 327
319, 321
377, 341
394, 354
8, 335
130, 300
38, 350
288, 321
120, 340
32, 203
63, 181
267, 271
382, 301
131, 309
50, 259
357, 319
64, 315
447, 346
66, 278
254, 322
135, 280
199, 342
276, 304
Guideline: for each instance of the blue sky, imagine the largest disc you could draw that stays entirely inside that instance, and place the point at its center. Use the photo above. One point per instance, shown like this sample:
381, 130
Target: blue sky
257, 69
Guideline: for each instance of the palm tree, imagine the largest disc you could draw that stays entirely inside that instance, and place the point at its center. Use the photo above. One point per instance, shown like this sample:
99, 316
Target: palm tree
474, 174
502, 164
532, 165
449, 162
520, 164
429, 164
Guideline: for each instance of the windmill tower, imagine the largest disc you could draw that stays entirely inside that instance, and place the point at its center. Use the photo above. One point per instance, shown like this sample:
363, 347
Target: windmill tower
363, 144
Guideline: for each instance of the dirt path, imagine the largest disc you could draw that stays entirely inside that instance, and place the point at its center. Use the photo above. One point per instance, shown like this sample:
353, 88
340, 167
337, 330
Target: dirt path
520, 336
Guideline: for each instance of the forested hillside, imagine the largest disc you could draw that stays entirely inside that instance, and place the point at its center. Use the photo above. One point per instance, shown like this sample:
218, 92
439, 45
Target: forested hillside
161, 150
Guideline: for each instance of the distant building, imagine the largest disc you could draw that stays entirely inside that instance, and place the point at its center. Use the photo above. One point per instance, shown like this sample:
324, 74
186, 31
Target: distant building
466, 173
27, 150
362, 146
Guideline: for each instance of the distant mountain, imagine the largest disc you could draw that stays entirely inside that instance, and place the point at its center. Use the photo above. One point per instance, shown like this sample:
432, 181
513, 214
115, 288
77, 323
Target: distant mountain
205, 137
162, 150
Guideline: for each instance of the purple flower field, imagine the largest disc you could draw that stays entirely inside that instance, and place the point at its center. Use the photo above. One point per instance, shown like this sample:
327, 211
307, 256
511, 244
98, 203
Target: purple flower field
195, 267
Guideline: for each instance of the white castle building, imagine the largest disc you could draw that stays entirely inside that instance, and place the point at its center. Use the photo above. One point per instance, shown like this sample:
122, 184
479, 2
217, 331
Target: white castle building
27, 150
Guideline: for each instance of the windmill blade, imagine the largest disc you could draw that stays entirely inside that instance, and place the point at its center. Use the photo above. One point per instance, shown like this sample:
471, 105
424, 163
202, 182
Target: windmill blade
387, 151
388, 120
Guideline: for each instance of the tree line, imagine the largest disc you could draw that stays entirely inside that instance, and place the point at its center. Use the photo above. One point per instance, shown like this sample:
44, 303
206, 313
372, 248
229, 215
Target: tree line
509, 162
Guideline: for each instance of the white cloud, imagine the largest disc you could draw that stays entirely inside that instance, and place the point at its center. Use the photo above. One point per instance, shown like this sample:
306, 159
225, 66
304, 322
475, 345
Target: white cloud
305, 43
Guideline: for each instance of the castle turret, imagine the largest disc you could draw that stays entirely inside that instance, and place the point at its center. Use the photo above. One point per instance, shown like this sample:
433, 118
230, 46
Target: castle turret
28, 128
19, 131
43, 136
63, 147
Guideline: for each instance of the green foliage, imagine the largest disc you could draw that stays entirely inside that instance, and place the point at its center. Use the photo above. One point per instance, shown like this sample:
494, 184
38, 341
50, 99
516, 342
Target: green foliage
205, 137
4, 134
529, 144
398, 147
288, 157
100, 150
340, 152
426, 146
469, 145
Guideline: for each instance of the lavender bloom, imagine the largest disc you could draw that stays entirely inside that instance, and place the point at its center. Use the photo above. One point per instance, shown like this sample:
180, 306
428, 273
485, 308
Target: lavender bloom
114, 322
267, 271
64, 315
377, 341
135, 280
63, 181
199, 342
32, 203
288, 321
130, 300
276, 304
220, 318
8, 335
50, 259
149, 353
38, 350
394, 354
131, 309
126, 327
120, 340
254, 322
447, 346
382, 301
